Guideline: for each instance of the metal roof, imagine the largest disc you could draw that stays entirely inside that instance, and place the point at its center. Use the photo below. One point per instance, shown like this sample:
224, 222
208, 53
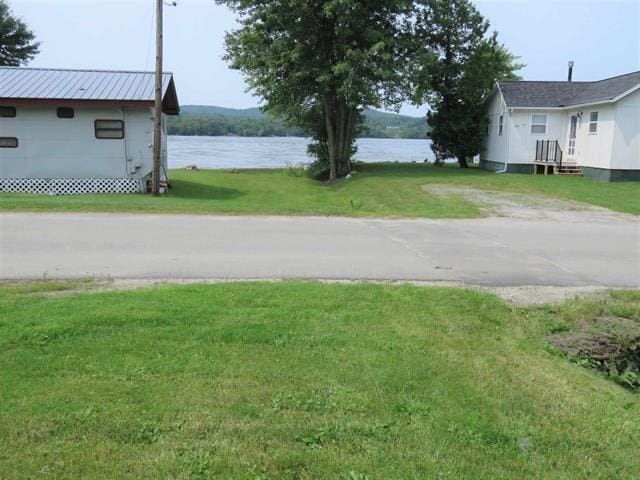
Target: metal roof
27, 83
525, 94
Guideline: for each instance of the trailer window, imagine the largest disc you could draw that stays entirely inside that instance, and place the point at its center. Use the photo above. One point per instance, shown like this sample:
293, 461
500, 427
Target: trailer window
65, 112
109, 129
8, 142
7, 112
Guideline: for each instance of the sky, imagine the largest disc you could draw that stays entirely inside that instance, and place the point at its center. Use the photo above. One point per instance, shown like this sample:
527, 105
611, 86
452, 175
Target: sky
602, 37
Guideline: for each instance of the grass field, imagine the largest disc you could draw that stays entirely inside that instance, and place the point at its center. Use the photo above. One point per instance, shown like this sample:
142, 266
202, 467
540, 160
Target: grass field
303, 381
378, 190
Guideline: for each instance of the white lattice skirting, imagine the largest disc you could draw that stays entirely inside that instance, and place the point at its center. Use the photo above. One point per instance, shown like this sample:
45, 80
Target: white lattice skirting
71, 186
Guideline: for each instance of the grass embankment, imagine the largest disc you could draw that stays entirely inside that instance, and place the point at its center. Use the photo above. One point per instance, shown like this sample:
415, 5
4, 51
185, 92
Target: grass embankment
303, 380
375, 191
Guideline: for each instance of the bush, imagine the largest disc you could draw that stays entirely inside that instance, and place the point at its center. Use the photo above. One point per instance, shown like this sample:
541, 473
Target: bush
318, 170
612, 347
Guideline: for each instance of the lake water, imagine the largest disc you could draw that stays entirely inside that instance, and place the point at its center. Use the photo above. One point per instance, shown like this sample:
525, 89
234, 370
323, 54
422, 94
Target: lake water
273, 152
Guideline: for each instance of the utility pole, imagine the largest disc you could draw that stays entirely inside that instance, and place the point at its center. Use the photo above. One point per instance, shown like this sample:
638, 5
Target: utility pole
157, 114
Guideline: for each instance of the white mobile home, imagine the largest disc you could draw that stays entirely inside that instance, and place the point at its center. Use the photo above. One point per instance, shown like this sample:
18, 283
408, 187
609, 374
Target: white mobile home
588, 128
79, 131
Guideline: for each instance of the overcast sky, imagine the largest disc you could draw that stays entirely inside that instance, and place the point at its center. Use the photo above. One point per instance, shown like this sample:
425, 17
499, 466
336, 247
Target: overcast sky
603, 38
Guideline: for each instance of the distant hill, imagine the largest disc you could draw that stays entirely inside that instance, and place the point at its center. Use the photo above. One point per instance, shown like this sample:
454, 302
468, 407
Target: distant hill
222, 111
211, 120
392, 125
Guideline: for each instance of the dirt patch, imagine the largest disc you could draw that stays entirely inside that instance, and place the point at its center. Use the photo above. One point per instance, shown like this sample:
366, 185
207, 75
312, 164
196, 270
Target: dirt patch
526, 206
611, 345
525, 296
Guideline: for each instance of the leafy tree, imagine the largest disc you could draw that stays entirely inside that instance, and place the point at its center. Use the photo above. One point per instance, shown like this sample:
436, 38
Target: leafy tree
17, 45
319, 63
456, 66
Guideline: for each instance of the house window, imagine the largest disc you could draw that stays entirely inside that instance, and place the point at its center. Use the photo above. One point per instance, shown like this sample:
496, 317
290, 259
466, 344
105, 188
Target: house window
593, 122
500, 124
7, 112
109, 129
65, 112
539, 123
8, 142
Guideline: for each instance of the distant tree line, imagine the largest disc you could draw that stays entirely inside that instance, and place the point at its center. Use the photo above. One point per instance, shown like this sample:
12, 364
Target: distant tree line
219, 125
376, 125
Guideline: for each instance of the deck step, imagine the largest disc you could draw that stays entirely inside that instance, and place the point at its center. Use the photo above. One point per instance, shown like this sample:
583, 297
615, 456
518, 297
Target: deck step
568, 170
571, 170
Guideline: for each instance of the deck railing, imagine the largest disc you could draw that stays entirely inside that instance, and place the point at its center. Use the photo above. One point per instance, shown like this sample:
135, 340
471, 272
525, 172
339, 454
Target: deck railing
549, 151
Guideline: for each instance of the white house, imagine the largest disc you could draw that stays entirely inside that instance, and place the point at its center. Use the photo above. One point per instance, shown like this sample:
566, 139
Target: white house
592, 128
79, 131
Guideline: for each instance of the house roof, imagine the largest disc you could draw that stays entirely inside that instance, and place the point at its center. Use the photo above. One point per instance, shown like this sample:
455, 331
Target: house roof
529, 94
24, 83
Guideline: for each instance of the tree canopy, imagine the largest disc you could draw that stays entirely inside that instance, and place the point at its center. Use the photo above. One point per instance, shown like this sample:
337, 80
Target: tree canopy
17, 42
457, 66
318, 64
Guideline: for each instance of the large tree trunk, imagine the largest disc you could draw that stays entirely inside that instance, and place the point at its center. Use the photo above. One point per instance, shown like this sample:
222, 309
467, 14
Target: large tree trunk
340, 122
331, 139
462, 161
340, 117
350, 131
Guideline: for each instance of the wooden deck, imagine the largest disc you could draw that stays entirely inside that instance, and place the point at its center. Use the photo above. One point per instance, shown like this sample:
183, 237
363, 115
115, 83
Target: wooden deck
551, 168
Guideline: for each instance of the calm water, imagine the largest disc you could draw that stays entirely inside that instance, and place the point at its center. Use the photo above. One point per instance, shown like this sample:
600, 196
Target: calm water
271, 152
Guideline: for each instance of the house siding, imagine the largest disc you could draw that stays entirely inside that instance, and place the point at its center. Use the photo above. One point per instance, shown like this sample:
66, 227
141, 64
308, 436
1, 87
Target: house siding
496, 146
592, 150
523, 142
626, 138
511, 167
50, 147
611, 175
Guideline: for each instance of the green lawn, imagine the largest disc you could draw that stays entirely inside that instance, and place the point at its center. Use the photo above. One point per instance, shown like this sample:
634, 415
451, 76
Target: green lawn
377, 190
304, 381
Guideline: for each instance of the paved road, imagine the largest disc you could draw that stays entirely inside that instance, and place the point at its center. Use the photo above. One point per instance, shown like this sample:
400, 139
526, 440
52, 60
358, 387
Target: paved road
497, 252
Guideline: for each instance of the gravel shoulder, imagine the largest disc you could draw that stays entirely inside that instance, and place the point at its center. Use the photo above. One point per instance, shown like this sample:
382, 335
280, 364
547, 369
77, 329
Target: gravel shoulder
522, 296
501, 204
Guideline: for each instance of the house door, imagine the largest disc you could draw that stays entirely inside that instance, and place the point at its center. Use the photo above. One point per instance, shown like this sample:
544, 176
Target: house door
573, 127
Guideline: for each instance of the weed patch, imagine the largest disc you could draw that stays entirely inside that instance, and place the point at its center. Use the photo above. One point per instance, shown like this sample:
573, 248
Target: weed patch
611, 345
